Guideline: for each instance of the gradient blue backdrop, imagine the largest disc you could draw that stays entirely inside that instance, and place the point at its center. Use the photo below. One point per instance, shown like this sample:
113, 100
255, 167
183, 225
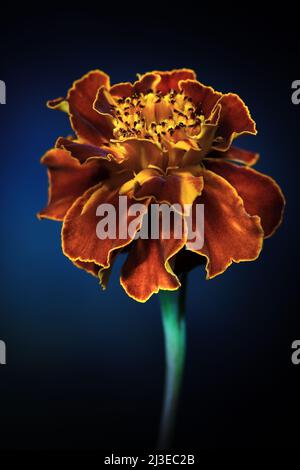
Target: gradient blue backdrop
85, 367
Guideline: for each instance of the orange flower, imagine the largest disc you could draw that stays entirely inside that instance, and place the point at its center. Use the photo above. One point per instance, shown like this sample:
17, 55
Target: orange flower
164, 138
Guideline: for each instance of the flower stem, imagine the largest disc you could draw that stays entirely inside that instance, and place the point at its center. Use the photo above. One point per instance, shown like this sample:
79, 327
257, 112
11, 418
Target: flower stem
173, 319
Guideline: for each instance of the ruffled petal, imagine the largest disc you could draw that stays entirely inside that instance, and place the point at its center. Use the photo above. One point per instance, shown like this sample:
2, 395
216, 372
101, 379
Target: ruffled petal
261, 194
234, 120
137, 181
170, 80
86, 122
153, 81
146, 82
203, 97
147, 268
230, 233
104, 273
60, 104
176, 153
105, 104
237, 155
68, 180
85, 151
179, 187
122, 90
91, 268
140, 153
79, 232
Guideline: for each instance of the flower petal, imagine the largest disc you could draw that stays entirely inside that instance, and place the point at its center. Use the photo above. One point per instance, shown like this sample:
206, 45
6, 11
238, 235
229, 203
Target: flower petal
178, 187
237, 155
122, 90
137, 181
146, 82
104, 273
139, 153
147, 268
79, 236
84, 151
204, 97
59, 103
86, 122
104, 103
260, 193
230, 234
91, 268
170, 80
68, 180
234, 120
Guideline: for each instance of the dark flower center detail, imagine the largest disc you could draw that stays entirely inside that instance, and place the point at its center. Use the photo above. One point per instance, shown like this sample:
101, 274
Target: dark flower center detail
155, 116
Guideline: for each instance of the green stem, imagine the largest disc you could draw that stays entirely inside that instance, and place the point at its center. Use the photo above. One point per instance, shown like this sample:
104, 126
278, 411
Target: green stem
172, 308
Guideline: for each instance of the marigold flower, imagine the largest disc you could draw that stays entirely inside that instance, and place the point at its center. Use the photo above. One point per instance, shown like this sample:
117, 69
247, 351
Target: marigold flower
164, 138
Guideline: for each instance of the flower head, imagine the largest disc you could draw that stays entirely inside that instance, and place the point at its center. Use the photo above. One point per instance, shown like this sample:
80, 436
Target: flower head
165, 138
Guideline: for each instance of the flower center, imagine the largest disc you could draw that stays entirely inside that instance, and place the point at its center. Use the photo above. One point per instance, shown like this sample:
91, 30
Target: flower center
157, 117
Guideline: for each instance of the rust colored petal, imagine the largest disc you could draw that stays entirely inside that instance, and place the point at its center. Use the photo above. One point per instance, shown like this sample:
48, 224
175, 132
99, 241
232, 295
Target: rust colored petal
122, 90
86, 122
104, 104
203, 97
178, 187
60, 104
162, 111
176, 153
147, 268
170, 80
84, 151
230, 233
91, 268
261, 194
68, 180
133, 184
237, 155
234, 120
104, 273
146, 82
140, 153
79, 237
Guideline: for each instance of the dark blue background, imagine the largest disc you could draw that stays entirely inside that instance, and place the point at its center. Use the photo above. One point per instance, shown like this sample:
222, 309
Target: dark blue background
85, 367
